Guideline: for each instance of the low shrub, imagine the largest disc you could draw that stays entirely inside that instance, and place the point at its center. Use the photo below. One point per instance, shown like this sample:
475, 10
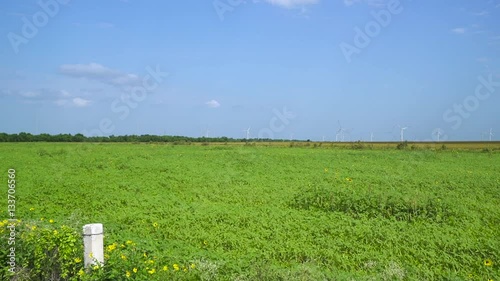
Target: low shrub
371, 203
44, 251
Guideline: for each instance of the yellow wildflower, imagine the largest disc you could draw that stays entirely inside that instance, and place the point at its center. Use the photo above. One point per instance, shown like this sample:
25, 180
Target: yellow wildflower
176, 267
165, 268
152, 271
488, 262
134, 270
51, 221
127, 274
81, 272
193, 266
111, 247
77, 260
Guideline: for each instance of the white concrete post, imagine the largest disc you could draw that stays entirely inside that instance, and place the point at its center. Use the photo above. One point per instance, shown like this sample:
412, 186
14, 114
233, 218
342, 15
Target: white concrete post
93, 244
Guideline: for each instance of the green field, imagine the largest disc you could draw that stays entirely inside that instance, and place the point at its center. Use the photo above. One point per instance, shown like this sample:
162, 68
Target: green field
245, 212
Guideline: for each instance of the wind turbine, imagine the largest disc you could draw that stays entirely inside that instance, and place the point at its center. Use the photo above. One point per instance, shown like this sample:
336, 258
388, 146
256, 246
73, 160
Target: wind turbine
371, 137
207, 132
402, 132
438, 133
491, 133
247, 131
340, 132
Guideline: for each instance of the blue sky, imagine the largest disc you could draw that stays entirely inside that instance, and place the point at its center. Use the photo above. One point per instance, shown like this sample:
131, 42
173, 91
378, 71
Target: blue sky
283, 68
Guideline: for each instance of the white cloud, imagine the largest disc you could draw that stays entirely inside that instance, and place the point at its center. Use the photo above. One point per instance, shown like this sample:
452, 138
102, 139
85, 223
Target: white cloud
291, 3
30, 94
459, 30
95, 71
65, 93
125, 79
373, 3
482, 13
79, 102
213, 103
350, 2
91, 69
44, 95
76, 102
37, 95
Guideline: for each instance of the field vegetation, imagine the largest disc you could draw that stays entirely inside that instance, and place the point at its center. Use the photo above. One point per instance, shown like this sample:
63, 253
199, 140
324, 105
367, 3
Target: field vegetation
256, 211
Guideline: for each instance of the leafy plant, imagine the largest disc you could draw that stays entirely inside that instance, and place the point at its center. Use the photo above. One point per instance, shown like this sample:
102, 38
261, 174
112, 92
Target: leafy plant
257, 211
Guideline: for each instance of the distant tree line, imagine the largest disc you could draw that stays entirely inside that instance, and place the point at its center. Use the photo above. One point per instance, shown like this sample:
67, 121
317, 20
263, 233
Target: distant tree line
27, 137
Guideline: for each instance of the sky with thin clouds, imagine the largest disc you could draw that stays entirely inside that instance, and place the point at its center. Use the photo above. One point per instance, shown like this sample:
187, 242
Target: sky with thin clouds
371, 67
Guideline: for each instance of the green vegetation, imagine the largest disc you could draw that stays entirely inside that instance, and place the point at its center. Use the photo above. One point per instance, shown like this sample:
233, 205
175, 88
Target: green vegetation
485, 146
27, 137
255, 212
